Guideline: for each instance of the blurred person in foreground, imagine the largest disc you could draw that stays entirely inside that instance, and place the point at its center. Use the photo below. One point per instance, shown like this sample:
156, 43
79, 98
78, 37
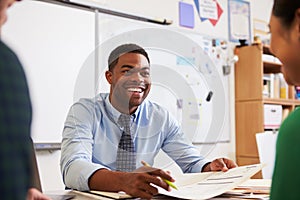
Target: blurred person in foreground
15, 121
285, 45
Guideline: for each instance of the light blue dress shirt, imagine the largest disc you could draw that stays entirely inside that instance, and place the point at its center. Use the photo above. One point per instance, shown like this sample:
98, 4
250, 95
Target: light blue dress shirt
91, 136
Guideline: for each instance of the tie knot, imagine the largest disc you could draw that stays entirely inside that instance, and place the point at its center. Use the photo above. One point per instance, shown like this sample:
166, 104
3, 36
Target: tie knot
124, 120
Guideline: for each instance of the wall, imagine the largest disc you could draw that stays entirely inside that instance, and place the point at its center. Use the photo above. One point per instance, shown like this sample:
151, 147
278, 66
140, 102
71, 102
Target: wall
261, 9
75, 26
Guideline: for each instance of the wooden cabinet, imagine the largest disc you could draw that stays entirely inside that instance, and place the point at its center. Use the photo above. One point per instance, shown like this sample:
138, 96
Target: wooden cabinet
249, 100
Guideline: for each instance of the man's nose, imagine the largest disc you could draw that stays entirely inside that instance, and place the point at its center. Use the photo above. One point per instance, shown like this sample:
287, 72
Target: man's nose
137, 76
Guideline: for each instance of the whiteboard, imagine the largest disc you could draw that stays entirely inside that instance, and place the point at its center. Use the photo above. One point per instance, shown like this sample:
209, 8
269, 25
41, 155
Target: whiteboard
52, 43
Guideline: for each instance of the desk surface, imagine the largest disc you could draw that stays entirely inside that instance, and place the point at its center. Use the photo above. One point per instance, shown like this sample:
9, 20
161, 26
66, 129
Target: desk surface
254, 184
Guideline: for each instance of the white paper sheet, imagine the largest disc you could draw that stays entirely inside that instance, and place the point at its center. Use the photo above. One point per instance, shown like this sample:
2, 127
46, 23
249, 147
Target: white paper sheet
211, 184
266, 145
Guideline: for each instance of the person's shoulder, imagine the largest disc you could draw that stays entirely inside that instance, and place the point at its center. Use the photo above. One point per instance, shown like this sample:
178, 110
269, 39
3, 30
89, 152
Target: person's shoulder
158, 113
98, 99
86, 106
4, 48
11, 71
9, 61
288, 132
155, 108
5, 51
293, 118
296, 111
153, 105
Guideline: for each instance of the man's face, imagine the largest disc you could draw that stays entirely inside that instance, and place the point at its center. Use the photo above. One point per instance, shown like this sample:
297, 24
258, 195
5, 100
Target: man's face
4, 5
130, 82
285, 45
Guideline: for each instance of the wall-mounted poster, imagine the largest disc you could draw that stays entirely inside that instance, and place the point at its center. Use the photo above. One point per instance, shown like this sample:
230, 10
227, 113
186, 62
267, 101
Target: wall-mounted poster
239, 20
209, 10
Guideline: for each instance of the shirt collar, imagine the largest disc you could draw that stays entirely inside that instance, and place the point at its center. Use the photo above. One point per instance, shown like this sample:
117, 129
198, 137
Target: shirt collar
115, 113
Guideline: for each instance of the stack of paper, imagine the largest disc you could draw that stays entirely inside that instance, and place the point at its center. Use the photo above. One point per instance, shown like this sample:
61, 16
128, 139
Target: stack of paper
211, 184
202, 185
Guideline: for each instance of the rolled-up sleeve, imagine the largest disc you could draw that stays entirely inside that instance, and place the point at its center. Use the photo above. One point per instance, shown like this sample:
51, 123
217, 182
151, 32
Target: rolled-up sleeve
77, 146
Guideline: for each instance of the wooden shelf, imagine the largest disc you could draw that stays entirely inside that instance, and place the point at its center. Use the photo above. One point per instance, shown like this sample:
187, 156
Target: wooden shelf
266, 50
271, 67
286, 102
249, 100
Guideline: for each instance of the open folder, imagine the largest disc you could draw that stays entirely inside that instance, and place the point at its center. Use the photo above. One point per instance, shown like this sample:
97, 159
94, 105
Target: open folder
201, 185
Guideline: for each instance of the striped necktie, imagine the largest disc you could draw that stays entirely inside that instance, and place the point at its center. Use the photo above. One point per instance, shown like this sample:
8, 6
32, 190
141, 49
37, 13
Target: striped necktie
126, 155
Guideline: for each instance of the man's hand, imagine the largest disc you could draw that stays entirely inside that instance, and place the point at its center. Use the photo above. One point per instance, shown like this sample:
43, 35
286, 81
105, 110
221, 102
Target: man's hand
220, 164
140, 182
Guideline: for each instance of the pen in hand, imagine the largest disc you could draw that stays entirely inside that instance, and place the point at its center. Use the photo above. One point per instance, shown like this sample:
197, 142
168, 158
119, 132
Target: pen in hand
171, 184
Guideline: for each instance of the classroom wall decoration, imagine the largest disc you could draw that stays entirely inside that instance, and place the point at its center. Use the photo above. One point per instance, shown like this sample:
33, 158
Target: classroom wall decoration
209, 10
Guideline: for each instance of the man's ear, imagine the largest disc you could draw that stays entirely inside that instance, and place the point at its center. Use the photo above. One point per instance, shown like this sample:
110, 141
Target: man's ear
108, 76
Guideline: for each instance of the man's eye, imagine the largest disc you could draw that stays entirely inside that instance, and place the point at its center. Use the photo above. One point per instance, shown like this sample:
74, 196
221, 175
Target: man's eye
145, 73
127, 72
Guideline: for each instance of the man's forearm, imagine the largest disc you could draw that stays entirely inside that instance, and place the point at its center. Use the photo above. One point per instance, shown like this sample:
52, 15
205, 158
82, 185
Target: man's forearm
106, 180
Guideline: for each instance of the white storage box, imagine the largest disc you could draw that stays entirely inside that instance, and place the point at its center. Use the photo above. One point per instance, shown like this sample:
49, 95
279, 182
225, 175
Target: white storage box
272, 116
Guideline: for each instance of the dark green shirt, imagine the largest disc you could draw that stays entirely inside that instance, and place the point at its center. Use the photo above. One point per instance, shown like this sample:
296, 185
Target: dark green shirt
286, 176
15, 121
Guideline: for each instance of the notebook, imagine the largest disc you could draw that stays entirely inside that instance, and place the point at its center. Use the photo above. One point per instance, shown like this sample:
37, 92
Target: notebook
36, 182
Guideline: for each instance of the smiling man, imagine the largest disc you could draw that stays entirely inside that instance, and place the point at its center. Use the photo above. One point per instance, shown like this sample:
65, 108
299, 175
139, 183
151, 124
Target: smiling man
106, 138
129, 77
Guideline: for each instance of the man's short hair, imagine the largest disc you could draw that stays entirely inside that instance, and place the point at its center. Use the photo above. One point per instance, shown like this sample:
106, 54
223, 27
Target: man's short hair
122, 49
